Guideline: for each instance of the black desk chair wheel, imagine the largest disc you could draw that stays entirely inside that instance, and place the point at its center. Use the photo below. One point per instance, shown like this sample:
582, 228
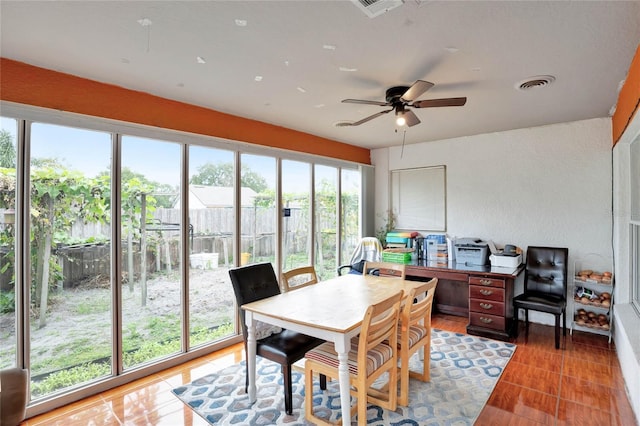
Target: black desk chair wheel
545, 287
257, 282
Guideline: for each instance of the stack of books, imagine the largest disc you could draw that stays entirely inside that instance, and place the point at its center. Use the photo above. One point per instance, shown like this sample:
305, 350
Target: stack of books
400, 239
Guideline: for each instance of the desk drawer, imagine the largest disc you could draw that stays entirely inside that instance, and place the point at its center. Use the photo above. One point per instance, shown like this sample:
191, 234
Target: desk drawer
486, 306
486, 282
487, 321
486, 293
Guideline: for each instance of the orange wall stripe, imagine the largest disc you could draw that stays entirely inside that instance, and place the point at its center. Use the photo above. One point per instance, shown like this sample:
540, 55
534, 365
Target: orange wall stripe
628, 99
27, 84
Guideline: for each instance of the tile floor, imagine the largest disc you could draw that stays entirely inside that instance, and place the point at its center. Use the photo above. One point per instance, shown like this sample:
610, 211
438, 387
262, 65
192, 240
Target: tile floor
580, 384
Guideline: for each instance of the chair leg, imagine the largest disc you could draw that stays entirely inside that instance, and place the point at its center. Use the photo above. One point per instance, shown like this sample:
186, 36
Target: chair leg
516, 321
526, 324
288, 398
557, 331
362, 405
323, 382
404, 378
308, 391
308, 397
564, 326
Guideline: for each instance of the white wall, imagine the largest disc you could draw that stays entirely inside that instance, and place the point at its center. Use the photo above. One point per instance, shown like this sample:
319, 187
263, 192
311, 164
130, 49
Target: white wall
548, 185
543, 186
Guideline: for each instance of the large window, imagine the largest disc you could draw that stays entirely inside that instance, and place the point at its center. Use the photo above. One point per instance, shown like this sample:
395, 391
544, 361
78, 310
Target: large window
326, 219
258, 213
351, 206
8, 289
635, 265
211, 227
296, 218
635, 222
151, 251
120, 249
70, 289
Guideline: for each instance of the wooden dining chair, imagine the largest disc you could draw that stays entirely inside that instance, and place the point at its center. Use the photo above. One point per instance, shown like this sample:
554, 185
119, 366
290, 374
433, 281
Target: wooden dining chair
385, 269
414, 333
298, 278
373, 353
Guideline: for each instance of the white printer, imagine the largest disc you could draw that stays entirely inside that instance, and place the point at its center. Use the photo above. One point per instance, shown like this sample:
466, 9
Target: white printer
471, 251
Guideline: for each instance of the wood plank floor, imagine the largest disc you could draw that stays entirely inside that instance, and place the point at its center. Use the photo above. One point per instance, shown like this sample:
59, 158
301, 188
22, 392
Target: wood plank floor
580, 384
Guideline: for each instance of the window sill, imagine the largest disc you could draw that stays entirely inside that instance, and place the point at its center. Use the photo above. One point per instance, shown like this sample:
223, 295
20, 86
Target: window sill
627, 340
628, 319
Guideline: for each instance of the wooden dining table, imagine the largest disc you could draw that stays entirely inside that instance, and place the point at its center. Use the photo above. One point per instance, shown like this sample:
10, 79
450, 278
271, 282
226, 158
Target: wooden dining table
331, 310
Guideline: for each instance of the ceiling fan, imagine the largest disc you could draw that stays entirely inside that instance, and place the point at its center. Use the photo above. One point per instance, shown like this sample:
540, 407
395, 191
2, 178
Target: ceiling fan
401, 97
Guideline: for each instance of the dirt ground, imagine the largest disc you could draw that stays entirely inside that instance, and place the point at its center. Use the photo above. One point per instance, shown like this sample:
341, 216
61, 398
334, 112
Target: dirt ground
83, 315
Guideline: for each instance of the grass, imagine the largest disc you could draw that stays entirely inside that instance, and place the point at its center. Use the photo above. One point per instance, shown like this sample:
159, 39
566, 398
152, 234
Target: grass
94, 307
146, 340
93, 365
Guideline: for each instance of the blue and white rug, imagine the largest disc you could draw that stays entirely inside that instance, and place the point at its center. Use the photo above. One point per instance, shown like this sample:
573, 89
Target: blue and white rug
464, 371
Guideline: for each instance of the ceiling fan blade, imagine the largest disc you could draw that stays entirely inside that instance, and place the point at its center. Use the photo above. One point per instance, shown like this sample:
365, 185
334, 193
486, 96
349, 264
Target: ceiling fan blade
411, 118
371, 117
417, 89
444, 102
364, 102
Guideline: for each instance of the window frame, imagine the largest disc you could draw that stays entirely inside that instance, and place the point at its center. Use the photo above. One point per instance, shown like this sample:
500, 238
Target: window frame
634, 223
634, 264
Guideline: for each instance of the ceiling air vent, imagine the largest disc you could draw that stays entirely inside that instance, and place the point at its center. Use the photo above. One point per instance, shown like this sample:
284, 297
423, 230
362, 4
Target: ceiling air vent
535, 82
373, 8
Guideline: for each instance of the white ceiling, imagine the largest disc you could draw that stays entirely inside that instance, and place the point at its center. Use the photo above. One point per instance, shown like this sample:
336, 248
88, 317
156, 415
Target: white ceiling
475, 49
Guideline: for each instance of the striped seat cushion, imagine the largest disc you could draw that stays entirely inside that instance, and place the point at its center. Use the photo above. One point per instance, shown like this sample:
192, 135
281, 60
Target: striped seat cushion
416, 333
326, 354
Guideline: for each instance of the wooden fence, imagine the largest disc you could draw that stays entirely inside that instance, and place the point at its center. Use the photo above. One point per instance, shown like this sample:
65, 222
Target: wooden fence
211, 231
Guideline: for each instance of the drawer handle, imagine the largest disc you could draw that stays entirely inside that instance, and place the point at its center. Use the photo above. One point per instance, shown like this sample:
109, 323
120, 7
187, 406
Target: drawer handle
486, 320
485, 282
486, 305
486, 292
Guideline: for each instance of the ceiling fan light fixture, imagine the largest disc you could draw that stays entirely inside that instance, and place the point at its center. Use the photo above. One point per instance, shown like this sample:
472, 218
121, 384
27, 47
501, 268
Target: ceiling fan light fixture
402, 99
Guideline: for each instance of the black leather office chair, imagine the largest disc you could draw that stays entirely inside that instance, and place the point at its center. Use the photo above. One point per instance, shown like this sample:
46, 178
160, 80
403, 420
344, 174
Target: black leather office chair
257, 282
545, 287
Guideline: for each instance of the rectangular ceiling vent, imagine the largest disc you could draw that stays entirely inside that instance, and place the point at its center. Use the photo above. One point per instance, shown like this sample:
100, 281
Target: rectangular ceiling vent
373, 8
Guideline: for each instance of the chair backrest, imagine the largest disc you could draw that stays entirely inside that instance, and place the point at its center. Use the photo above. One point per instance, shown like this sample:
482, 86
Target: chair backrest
380, 323
298, 278
420, 310
253, 282
385, 269
546, 271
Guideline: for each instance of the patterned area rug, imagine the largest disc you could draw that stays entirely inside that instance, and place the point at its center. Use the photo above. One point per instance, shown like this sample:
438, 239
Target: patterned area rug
464, 371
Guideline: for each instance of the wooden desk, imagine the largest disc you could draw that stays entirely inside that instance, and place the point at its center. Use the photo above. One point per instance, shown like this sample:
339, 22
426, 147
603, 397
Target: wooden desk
331, 310
482, 293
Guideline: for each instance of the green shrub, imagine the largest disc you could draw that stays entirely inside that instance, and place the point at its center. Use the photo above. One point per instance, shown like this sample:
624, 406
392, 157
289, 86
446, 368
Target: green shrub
147, 351
70, 377
7, 302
